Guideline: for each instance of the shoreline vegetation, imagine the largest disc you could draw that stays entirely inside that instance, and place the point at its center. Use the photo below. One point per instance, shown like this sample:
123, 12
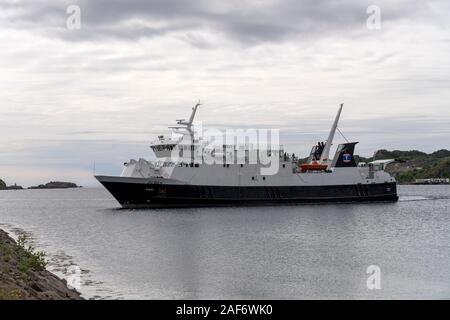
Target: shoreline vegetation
48, 185
23, 273
412, 167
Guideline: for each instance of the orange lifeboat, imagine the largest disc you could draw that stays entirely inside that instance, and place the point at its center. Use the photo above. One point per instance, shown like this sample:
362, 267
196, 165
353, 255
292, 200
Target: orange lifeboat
314, 166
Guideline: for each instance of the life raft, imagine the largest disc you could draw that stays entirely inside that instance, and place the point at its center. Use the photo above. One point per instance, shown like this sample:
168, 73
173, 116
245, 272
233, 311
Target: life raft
313, 167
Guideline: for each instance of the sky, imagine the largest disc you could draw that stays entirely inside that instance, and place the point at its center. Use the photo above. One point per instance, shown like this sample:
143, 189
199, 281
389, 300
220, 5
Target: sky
72, 95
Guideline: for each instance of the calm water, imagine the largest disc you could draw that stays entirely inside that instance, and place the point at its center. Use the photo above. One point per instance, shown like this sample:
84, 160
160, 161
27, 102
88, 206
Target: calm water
292, 252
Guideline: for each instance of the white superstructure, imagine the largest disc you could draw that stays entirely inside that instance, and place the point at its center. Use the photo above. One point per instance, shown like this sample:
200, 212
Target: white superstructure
193, 170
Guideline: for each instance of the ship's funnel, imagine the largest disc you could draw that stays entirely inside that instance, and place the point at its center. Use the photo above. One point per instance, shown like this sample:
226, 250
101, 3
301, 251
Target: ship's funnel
326, 150
344, 156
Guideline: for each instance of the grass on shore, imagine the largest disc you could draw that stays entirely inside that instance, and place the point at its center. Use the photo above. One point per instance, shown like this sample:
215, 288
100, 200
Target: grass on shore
26, 256
20, 256
30, 258
10, 295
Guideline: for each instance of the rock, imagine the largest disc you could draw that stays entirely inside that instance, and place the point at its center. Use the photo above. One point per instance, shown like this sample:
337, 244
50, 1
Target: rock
33, 284
36, 287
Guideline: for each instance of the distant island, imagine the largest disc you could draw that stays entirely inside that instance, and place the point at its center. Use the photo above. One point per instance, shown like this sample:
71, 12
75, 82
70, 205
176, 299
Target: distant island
55, 185
3, 186
49, 185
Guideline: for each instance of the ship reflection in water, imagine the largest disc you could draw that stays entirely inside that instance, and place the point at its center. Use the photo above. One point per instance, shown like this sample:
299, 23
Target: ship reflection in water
283, 252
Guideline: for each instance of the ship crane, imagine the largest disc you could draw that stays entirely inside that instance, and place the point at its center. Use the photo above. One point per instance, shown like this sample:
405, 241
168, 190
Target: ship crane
326, 150
323, 162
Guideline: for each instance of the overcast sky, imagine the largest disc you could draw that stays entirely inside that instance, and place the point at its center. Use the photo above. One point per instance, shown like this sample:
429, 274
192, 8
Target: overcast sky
72, 97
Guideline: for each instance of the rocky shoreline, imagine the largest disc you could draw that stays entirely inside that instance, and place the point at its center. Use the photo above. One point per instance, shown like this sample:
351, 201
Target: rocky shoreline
23, 275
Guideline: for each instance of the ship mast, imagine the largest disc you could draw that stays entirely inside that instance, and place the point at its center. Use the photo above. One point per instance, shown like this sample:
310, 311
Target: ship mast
326, 150
191, 118
187, 125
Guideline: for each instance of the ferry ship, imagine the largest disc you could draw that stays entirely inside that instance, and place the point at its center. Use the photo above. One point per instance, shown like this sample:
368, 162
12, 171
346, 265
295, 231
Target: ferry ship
180, 176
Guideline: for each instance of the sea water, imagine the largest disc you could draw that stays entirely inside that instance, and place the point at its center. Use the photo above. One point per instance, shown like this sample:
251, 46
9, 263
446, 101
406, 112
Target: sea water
283, 252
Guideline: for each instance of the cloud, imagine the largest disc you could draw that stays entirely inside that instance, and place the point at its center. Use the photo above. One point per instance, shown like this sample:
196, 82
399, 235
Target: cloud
69, 97
248, 23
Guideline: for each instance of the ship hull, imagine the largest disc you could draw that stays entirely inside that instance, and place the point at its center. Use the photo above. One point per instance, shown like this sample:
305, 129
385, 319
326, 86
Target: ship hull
162, 195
